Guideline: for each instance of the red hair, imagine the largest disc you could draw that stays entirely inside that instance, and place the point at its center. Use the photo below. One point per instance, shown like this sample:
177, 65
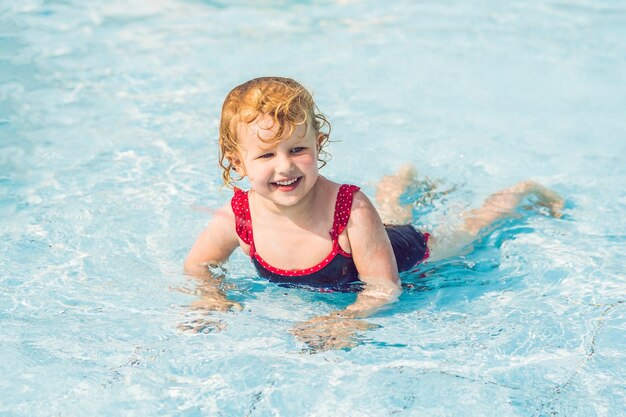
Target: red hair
286, 101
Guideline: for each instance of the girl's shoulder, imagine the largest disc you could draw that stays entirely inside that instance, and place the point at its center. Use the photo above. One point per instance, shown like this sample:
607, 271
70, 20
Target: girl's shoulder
332, 188
344, 199
362, 210
224, 220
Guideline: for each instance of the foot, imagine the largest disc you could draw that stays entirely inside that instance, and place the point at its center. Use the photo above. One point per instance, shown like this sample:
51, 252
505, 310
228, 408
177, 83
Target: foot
549, 199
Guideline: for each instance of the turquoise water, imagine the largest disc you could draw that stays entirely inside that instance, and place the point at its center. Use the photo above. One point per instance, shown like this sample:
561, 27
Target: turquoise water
108, 171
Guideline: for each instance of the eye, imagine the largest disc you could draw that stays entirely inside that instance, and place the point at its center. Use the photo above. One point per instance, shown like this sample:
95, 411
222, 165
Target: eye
265, 156
297, 149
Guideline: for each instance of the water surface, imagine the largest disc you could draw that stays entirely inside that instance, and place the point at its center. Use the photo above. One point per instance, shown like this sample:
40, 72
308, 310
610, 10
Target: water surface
108, 169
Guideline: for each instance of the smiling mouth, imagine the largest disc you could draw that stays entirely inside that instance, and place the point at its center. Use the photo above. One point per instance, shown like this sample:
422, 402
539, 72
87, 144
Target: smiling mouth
287, 183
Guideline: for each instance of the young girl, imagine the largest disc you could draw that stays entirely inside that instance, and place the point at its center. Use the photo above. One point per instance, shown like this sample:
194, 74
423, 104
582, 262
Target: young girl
299, 227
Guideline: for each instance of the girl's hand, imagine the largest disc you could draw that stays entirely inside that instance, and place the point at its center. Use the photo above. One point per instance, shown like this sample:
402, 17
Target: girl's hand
212, 297
208, 325
216, 304
331, 332
202, 326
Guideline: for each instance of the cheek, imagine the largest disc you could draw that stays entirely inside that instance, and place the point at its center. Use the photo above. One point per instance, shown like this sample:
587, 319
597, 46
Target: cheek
306, 160
260, 170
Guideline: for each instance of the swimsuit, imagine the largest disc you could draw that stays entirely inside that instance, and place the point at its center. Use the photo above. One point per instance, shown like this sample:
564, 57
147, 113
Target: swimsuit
337, 271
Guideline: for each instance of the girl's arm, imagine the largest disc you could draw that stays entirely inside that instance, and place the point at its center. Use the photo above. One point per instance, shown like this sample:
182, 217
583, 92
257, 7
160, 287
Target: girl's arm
374, 259
213, 246
215, 243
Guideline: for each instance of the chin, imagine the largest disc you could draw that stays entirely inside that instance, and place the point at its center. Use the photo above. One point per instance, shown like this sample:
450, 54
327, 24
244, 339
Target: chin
287, 202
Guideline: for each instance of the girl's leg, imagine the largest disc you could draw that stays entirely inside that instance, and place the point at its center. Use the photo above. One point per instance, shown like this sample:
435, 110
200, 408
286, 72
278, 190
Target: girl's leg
388, 192
498, 206
503, 203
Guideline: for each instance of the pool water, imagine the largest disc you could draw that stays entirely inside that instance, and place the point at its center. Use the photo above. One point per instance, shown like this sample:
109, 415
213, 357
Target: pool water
108, 172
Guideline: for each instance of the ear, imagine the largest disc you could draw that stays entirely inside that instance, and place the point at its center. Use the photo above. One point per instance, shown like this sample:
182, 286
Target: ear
237, 163
320, 140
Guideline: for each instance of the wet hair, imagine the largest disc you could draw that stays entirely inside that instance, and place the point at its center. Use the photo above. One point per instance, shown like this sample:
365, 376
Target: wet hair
286, 101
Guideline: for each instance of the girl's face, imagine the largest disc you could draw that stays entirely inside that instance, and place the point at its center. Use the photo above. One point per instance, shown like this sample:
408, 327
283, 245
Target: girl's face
283, 173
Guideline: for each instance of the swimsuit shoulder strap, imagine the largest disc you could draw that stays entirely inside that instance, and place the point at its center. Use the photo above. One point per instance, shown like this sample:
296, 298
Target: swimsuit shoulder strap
343, 206
241, 209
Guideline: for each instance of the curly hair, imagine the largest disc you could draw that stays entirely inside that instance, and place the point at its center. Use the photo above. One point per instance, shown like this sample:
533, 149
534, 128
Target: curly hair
286, 101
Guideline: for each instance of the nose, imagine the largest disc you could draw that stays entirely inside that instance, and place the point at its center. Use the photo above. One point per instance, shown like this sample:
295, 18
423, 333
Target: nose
284, 164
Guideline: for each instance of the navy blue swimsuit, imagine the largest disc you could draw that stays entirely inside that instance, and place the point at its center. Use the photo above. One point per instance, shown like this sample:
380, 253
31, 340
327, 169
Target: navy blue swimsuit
337, 271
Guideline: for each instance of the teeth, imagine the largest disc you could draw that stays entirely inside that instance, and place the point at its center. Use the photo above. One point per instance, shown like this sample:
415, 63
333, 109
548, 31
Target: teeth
289, 182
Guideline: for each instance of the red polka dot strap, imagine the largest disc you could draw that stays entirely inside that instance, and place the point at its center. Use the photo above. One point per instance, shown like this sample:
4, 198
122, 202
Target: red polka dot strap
241, 209
343, 207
